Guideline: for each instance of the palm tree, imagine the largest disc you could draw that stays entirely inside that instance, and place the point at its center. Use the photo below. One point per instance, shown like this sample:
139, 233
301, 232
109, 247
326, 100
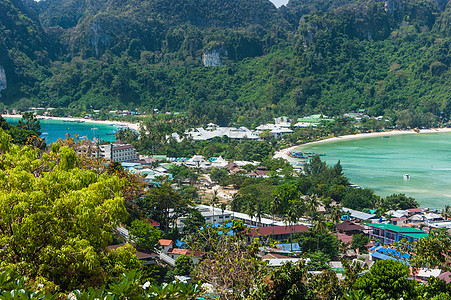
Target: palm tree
320, 228
275, 207
235, 204
213, 201
223, 208
446, 212
335, 214
258, 211
295, 211
250, 209
312, 204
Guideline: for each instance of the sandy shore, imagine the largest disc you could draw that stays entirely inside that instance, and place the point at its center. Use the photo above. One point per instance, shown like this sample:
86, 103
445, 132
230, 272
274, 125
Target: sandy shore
284, 153
134, 126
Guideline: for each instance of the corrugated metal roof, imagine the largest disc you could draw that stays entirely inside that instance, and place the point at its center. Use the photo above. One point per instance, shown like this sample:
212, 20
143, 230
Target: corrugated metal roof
358, 214
407, 231
289, 247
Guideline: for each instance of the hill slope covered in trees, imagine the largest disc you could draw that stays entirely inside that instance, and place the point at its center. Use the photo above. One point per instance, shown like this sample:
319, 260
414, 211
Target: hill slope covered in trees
328, 56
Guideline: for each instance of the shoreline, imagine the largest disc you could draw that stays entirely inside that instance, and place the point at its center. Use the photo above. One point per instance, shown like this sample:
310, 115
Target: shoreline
284, 153
133, 126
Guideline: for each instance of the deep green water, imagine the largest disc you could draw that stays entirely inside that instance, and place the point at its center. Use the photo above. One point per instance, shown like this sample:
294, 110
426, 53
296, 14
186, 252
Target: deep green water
57, 129
379, 163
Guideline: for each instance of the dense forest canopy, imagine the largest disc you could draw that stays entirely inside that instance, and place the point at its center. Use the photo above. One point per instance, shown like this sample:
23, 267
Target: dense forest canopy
322, 56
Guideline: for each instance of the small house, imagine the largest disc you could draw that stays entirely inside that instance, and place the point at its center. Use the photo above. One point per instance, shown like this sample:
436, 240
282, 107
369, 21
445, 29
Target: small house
176, 252
166, 245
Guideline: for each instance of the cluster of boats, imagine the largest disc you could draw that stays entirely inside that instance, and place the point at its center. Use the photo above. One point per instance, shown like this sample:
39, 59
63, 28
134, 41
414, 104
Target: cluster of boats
74, 121
304, 155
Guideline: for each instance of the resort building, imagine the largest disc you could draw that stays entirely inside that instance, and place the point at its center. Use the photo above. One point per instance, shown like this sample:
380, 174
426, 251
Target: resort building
214, 131
389, 233
119, 152
314, 119
279, 129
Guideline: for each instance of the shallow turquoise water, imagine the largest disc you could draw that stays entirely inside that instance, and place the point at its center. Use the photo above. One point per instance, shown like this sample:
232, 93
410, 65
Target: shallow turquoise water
379, 163
57, 129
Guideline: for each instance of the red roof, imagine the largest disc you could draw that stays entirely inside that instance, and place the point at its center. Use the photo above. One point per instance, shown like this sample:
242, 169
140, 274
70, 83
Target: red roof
188, 252
264, 231
230, 166
349, 226
446, 276
344, 238
153, 223
261, 172
398, 219
273, 255
370, 244
165, 242
414, 209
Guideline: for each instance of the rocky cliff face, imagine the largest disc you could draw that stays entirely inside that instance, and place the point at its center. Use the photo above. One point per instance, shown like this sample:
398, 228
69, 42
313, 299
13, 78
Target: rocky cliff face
2, 79
212, 58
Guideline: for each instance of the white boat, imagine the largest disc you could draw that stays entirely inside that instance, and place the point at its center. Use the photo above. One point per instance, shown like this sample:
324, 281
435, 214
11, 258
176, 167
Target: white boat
406, 176
45, 133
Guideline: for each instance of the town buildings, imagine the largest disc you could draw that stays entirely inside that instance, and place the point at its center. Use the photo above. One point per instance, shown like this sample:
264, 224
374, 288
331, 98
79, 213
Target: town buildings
389, 233
119, 152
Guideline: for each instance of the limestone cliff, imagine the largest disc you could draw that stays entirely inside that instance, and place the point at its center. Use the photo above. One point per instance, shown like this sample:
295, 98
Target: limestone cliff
213, 57
2, 79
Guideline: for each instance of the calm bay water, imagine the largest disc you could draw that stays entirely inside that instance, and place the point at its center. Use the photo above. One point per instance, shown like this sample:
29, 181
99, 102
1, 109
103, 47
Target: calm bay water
57, 129
379, 163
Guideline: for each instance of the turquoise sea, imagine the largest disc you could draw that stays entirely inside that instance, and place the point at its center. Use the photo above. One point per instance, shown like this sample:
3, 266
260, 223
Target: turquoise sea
379, 163
55, 129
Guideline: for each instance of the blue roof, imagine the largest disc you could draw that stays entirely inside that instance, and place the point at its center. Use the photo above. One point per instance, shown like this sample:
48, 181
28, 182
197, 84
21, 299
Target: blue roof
288, 247
384, 257
227, 225
180, 244
381, 256
373, 248
229, 232
393, 252
389, 253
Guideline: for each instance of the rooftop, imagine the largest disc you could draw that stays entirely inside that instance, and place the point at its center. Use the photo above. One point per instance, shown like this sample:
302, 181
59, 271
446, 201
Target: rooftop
358, 214
408, 231
349, 226
163, 242
275, 230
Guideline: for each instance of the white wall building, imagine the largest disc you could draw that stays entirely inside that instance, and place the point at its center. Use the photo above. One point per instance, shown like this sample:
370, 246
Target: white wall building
119, 152
212, 131
217, 216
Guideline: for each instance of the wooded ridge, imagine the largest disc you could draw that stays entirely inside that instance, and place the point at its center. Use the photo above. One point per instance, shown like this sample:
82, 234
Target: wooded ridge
223, 60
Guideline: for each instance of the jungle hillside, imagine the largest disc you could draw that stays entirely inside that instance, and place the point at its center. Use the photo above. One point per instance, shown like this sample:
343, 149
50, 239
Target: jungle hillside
228, 61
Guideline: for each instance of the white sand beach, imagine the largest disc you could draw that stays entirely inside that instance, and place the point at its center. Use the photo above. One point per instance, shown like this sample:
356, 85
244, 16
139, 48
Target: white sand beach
134, 126
284, 153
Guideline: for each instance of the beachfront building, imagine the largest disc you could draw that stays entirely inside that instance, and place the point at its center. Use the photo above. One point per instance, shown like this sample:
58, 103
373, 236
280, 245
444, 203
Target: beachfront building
280, 127
214, 131
389, 233
313, 120
119, 152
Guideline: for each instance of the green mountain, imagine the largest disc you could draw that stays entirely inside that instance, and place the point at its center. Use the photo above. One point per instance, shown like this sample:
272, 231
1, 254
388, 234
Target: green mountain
241, 61
23, 49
